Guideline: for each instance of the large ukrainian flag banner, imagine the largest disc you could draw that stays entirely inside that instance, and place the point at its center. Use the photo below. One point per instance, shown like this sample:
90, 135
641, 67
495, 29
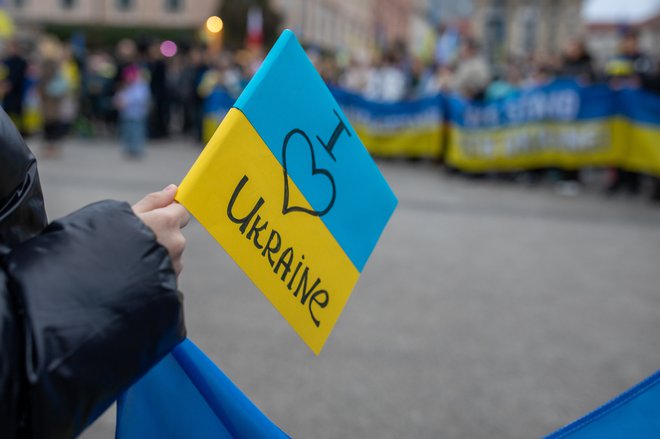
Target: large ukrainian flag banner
558, 125
288, 189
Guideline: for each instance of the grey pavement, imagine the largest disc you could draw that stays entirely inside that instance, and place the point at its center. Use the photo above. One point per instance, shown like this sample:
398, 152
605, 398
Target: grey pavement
486, 311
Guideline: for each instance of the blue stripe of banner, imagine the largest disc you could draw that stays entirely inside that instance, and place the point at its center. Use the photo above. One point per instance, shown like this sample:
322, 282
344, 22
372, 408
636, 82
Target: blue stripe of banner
640, 106
561, 100
595, 102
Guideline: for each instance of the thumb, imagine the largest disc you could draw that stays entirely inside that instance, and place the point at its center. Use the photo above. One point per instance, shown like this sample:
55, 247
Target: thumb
156, 200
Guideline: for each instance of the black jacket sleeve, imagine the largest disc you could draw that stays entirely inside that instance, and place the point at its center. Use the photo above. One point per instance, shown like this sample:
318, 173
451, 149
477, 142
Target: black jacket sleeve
86, 308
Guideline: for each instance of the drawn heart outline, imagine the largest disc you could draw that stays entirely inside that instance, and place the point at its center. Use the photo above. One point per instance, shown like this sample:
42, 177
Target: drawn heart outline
315, 171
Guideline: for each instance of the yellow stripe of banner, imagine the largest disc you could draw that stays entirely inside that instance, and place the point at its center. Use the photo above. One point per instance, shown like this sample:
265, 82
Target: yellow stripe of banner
235, 189
643, 153
567, 145
411, 143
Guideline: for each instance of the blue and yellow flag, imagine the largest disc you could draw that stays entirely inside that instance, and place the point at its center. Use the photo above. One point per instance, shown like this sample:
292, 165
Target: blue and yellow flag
290, 192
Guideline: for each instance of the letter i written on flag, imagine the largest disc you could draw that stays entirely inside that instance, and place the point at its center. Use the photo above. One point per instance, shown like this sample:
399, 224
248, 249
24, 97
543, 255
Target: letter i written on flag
290, 192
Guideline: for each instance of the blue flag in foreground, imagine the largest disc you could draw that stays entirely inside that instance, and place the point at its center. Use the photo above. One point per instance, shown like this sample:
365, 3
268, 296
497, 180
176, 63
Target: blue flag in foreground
632, 415
186, 396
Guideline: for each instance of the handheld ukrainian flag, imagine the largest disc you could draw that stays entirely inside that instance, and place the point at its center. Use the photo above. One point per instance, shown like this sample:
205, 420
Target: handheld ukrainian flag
290, 192
635, 414
288, 189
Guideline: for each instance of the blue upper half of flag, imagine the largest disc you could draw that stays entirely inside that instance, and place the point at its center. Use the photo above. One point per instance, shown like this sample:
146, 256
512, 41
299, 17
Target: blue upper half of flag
287, 101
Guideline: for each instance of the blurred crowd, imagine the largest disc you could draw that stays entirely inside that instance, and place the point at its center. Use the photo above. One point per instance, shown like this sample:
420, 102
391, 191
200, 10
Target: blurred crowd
137, 90
396, 76
152, 89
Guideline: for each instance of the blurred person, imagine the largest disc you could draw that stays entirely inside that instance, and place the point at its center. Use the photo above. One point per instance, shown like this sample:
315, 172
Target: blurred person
473, 74
447, 46
175, 92
577, 63
126, 55
53, 89
329, 70
247, 60
185, 85
440, 80
418, 75
70, 102
31, 120
221, 72
231, 76
99, 83
356, 75
507, 86
132, 102
630, 68
541, 70
13, 83
159, 116
211, 79
386, 80
88, 303
193, 102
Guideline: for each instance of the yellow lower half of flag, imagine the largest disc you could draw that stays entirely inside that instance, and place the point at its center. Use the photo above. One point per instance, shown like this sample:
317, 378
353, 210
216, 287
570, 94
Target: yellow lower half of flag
235, 190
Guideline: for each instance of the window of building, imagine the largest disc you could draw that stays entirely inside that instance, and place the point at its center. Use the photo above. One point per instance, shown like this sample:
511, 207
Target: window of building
173, 5
67, 4
124, 5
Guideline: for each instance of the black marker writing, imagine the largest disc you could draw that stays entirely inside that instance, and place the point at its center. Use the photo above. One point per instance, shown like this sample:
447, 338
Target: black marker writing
315, 297
340, 128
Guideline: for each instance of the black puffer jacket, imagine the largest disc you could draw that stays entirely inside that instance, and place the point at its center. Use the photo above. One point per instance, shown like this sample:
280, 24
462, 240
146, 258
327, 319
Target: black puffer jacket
87, 304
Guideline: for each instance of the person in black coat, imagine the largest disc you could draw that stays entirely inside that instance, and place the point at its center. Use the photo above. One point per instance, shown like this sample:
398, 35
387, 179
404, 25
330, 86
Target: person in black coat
88, 303
13, 85
577, 63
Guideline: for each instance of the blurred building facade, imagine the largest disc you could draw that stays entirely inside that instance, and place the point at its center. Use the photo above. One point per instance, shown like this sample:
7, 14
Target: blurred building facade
448, 11
604, 38
355, 25
649, 35
358, 25
526, 27
142, 13
331, 24
392, 20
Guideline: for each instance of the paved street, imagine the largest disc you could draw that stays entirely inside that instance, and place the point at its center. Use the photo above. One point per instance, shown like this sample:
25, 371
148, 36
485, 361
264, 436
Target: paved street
488, 310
